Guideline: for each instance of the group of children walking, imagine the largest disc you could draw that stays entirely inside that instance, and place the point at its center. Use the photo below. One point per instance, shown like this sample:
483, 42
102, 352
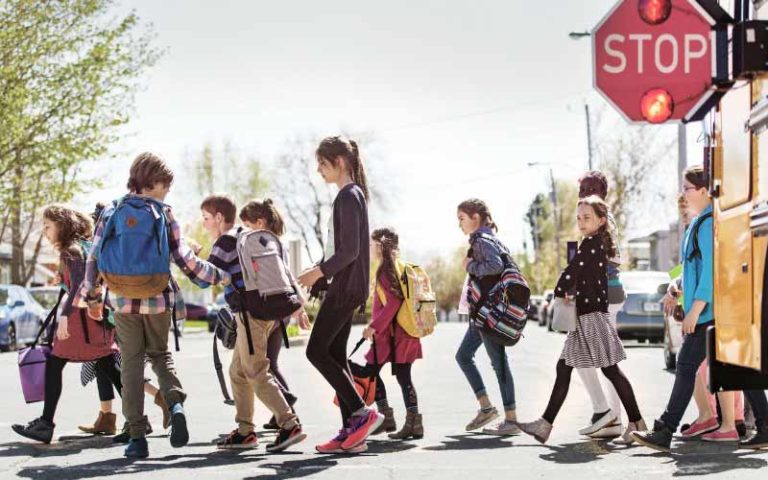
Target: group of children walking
117, 324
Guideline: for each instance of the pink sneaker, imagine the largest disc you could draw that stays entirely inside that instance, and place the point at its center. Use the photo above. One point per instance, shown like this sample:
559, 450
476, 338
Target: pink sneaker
697, 428
360, 428
718, 436
333, 445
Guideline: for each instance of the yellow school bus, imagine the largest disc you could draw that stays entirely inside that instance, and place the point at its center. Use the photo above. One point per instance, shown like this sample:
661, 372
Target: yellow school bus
738, 345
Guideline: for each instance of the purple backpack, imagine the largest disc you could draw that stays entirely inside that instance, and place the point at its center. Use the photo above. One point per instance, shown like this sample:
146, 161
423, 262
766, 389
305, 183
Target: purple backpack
33, 358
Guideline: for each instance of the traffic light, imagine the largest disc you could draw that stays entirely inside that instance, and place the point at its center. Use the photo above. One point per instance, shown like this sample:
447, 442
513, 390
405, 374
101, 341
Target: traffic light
657, 105
654, 12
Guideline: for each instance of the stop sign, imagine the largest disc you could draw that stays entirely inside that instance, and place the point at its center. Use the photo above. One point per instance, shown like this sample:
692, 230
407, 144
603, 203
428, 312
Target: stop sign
654, 59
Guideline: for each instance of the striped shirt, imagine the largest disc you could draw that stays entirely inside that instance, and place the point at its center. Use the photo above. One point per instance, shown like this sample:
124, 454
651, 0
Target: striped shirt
224, 256
200, 272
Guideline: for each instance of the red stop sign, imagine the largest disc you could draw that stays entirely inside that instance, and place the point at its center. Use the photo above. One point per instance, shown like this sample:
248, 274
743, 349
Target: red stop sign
654, 59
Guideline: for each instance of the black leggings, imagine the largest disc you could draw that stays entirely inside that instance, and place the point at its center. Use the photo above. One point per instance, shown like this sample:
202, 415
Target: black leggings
613, 373
402, 372
274, 345
327, 351
54, 368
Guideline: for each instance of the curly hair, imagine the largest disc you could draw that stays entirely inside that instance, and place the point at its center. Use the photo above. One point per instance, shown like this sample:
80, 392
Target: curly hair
601, 210
390, 244
72, 226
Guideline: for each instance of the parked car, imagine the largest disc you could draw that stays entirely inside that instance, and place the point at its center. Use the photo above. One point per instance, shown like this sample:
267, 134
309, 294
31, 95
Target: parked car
544, 307
20, 317
533, 307
45, 296
642, 316
213, 311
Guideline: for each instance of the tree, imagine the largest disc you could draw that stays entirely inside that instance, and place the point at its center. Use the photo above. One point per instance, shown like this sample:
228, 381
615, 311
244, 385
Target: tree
447, 278
68, 74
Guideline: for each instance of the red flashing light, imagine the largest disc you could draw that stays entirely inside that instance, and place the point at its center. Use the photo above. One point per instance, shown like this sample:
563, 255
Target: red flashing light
657, 105
654, 12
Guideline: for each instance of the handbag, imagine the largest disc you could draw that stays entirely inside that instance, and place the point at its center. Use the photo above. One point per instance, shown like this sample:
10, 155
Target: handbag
32, 360
563, 315
364, 377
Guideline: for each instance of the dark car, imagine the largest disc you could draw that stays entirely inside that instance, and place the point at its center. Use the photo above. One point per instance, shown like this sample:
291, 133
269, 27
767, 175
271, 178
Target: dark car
642, 317
534, 306
544, 308
20, 317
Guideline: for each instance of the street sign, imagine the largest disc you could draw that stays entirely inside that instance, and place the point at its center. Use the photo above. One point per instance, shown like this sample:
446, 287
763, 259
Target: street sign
655, 60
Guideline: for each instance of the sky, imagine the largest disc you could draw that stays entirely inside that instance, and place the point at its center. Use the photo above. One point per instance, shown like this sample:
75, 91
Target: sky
459, 96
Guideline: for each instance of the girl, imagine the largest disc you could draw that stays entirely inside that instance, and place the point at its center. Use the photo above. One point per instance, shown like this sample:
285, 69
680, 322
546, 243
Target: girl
594, 343
484, 261
697, 253
346, 268
389, 336
258, 215
78, 338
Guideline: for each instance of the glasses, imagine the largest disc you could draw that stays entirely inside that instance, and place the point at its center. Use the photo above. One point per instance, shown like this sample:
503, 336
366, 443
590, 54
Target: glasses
688, 189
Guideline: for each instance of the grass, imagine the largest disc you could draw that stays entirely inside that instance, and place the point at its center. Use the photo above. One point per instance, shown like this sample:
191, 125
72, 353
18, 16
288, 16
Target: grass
196, 324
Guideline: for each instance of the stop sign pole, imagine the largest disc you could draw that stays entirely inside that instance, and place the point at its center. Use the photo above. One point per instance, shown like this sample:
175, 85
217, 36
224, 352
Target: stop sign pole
661, 60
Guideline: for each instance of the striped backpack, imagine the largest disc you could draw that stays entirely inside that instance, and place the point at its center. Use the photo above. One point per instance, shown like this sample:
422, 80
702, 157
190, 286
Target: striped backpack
501, 311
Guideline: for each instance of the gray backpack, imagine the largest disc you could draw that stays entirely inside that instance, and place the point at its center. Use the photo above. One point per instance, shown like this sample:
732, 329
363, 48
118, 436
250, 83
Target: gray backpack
268, 293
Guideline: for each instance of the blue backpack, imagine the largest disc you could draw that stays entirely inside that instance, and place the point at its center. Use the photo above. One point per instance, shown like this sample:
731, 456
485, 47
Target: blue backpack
135, 257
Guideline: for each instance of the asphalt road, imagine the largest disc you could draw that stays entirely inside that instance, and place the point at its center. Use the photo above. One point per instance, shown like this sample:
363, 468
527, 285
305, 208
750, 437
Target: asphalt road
446, 452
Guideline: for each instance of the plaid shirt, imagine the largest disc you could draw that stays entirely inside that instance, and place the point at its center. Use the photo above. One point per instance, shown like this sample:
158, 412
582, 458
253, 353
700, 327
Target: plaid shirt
200, 272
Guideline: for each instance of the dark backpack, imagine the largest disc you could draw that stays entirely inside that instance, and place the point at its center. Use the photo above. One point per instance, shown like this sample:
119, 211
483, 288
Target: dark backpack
226, 333
696, 251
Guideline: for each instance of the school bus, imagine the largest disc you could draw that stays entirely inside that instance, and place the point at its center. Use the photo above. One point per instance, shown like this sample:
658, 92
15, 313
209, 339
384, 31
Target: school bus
738, 344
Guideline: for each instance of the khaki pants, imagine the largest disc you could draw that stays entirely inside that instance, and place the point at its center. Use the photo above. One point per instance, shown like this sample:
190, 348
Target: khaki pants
250, 375
143, 336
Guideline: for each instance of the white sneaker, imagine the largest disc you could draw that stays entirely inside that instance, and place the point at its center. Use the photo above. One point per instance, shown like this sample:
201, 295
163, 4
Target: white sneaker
606, 419
503, 428
611, 431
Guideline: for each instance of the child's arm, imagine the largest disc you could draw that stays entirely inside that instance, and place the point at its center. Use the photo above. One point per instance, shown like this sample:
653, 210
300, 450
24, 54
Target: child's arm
349, 242
486, 259
571, 274
383, 315
200, 272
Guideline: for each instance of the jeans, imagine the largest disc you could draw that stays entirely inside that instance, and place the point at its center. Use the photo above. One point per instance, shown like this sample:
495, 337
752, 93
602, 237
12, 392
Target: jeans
465, 357
692, 353
759, 405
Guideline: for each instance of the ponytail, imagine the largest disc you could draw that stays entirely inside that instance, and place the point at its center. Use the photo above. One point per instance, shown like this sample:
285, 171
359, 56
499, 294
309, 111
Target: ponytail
264, 210
474, 206
331, 148
390, 244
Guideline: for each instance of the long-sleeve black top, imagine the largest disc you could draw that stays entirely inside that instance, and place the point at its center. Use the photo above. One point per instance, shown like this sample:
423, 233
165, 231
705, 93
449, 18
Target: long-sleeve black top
586, 277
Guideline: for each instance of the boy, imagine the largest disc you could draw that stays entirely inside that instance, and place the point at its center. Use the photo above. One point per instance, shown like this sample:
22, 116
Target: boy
143, 323
249, 373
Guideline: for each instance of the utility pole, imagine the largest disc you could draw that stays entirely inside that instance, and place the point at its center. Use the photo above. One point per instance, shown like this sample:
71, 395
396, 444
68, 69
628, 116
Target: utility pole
557, 217
589, 135
682, 163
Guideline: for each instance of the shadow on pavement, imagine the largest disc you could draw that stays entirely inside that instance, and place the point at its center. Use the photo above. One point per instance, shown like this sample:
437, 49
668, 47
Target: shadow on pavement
699, 458
577, 453
125, 466
64, 446
470, 442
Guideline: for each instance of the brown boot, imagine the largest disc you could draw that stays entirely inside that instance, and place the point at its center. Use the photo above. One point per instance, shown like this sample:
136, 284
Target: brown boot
105, 424
413, 428
160, 402
389, 424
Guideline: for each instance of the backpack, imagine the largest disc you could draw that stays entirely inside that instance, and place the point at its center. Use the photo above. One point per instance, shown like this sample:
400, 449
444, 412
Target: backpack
226, 332
268, 292
418, 312
501, 311
696, 251
134, 258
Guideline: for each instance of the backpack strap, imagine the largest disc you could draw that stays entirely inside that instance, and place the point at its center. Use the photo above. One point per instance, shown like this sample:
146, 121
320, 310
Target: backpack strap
220, 371
696, 252
50, 318
175, 327
246, 323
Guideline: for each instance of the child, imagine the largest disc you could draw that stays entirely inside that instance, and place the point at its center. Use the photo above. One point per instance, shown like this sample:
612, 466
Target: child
697, 285
594, 343
389, 336
485, 263
79, 337
143, 323
249, 373
606, 418
346, 268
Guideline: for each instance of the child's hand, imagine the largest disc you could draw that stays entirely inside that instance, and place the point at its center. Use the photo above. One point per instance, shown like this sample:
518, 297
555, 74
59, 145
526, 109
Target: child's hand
302, 318
196, 247
310, 277
62, 331
568, 299
689, 324
368, 333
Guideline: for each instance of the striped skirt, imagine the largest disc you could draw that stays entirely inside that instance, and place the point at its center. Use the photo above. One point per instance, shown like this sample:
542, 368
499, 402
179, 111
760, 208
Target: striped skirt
594, 343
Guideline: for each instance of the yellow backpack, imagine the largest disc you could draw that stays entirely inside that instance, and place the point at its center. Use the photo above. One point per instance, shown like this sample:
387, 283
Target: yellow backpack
418, 313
